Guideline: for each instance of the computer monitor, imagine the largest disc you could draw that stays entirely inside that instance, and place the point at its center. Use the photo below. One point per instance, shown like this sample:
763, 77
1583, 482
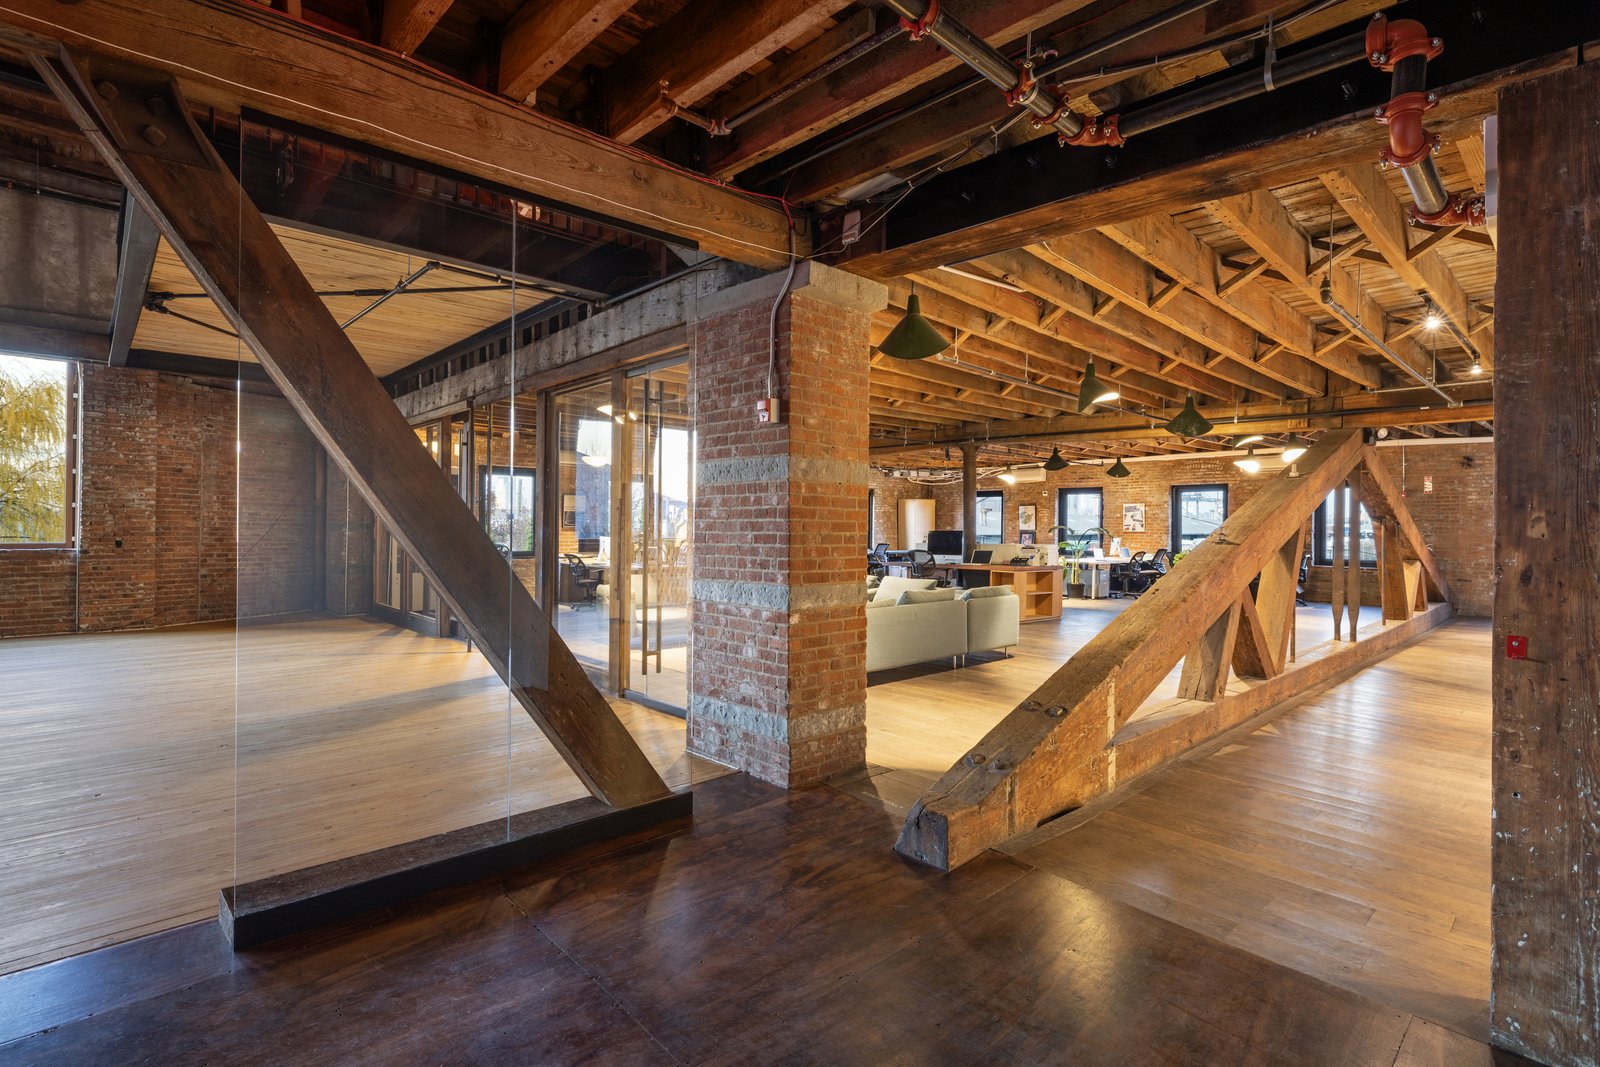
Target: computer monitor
947, 546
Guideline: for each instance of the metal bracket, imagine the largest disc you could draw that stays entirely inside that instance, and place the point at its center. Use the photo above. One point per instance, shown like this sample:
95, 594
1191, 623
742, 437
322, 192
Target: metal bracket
142, 110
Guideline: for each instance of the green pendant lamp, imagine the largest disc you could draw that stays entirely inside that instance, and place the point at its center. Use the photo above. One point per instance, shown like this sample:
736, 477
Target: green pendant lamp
1055, 462
914, 337
1091, 392
1189, 422
1118, 469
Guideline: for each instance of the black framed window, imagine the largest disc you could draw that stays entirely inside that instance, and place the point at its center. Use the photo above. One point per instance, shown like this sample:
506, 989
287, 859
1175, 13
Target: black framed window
1323, 532
991, 517
1080, 510
38, 453
509, 507
872, 516
1197, 510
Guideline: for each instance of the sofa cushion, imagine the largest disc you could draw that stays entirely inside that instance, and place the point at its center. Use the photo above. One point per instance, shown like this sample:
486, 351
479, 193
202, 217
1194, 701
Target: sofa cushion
927, 596
990, 590
891, 587
880, 603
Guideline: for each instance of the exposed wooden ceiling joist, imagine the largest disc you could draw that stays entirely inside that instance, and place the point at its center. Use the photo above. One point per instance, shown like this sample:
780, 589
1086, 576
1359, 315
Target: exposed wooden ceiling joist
545, 35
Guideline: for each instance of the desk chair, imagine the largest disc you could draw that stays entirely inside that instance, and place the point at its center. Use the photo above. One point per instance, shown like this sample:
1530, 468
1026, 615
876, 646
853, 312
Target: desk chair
921, 563
1300, 583
1129, 579
583, 579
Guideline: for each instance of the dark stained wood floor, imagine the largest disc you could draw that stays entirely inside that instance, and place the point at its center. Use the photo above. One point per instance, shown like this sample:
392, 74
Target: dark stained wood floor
778, 929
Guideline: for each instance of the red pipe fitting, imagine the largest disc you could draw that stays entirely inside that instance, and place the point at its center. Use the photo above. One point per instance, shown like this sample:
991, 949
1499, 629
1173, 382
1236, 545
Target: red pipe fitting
1463, 210
919, 28
1096, 133
1409, 143
1390, 42
1025, 86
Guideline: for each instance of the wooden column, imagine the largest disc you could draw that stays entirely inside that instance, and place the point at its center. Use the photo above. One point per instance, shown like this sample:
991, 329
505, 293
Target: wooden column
1545, 999
969, 495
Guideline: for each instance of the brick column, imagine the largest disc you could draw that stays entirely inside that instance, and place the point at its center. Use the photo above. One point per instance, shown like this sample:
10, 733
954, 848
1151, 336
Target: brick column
778, 664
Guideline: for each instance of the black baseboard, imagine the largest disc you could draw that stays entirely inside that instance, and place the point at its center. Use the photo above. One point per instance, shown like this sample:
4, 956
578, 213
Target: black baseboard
299, 900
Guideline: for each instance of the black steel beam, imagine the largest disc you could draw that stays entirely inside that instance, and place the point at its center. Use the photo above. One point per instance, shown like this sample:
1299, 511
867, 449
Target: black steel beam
136, 258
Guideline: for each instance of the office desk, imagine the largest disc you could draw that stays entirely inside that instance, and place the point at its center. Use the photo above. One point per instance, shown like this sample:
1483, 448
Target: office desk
1038, 588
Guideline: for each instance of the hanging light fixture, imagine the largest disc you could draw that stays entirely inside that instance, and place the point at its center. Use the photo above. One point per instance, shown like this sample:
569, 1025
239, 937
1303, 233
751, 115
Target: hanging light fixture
1244, 440
1293, 448
1431, 320
913, 337
1007, 477
596, 461
1118, 469
1055, 462
1248, 462
1477, 365
1189, 422
1091, 392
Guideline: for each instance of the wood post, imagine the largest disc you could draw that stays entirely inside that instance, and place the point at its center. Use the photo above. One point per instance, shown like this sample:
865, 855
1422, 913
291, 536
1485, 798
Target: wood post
177, 177
1205, 668
969, 495
1352, 564
1545, 977
1337, 576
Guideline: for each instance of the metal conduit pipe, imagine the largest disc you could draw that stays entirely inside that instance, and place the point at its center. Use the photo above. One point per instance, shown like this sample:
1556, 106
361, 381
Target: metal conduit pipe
1062, 64
1354, 323
1254, 83
1408, 140
924, 18
848, 56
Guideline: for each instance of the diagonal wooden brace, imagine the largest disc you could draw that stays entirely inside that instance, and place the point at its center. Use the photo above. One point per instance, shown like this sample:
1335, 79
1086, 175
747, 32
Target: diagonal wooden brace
139, 122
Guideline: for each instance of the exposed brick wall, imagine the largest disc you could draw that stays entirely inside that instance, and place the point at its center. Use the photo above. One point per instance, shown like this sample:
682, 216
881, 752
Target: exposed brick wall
778, 680
157, 520
1457, 518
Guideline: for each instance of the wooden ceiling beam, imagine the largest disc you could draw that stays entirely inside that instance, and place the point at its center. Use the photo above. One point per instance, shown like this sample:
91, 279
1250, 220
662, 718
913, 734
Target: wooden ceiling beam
1262, 222
697, 51
231, 55
851, 30
1369, 201
545, 35
1177, 327
407, 23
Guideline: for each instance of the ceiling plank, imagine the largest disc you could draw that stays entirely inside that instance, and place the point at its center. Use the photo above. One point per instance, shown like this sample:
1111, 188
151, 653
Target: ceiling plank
233, 55
697, 51
1263, 223
544, 36
1187, 329
1369, 201
1171, 248
850, 31
407, 23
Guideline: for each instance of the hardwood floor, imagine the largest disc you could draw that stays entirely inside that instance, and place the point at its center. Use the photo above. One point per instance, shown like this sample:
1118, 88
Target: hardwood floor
131, 791
778, 929
1348, 839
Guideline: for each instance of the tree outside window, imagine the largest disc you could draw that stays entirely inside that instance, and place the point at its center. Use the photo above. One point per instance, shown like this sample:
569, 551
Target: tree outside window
35, 452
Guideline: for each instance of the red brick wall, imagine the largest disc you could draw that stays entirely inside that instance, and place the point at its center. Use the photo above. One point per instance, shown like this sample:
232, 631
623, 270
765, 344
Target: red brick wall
157, 513
1457, 518
778, 677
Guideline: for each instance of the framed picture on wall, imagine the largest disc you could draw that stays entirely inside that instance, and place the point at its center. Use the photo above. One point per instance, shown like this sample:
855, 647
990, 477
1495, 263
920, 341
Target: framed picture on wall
1026, 519
1133, 518
1024, 537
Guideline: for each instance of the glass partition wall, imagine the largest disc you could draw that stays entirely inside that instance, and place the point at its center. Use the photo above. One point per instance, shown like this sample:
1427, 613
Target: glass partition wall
660, 497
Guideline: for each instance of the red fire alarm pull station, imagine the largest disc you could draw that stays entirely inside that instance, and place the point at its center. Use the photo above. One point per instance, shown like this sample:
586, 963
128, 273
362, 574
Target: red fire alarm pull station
767, 409
1516, 646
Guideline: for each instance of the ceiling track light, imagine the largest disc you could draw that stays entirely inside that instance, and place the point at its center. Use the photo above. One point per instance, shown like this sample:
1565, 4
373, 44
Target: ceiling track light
1189, 422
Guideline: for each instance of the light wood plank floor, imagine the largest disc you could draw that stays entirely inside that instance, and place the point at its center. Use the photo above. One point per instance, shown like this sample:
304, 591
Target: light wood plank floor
131, 791
1348, 839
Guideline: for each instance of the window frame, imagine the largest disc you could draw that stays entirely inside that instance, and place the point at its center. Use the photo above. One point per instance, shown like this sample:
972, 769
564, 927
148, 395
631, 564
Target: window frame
1062, 495
1175, 511
485, 473
73, 457
1320, 521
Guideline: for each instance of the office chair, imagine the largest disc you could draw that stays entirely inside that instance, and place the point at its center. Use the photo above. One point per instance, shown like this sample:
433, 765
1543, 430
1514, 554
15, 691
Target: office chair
1300, 583
1129, 579
583, 579
1162, 560
921, 561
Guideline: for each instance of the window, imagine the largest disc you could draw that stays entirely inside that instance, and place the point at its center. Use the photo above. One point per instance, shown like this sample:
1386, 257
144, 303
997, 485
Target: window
1322, 533
37, 402
872, 503
508, 507
1197, 510
1080, 510
991, 517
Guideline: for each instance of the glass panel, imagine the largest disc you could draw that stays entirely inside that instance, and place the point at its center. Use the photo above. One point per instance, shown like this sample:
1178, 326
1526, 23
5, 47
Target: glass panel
991, 517
1197, 511
1369, 540
661, 495
35, 430
585, 422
